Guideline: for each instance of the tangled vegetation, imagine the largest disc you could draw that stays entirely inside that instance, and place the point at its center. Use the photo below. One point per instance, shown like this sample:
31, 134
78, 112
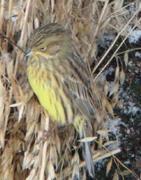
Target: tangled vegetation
24, 153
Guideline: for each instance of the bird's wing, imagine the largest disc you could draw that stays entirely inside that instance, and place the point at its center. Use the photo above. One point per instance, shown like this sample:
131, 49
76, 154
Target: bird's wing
79, 95
78, 84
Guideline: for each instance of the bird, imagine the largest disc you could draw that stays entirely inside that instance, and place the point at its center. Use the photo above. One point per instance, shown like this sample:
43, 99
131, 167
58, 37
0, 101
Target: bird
61, 80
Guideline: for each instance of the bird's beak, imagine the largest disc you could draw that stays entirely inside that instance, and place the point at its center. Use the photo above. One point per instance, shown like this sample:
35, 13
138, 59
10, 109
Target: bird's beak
28, 53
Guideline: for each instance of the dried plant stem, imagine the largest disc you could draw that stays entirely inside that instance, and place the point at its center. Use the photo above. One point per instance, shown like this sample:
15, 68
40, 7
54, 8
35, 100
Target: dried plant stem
7, 112
18, 57
100, 21
43, 165
9, 26
116, 51
106, 53
44, 151
10, 7
131, 171
99, 156
115, 158
128, 51
1, 13
21, 42
101, 18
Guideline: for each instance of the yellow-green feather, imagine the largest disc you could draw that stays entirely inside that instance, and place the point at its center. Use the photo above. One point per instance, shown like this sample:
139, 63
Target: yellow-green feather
47, 95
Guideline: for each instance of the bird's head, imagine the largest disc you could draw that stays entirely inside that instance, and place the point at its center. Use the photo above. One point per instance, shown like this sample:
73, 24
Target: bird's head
49, 40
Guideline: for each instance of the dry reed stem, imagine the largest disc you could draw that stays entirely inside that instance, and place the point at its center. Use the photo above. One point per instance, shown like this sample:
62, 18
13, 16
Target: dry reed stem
1, 13
9, 26
22, 40
114, 54
113, 43
96, 32
44, 150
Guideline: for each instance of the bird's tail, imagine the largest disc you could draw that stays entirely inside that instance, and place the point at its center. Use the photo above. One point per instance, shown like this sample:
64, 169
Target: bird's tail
86, 152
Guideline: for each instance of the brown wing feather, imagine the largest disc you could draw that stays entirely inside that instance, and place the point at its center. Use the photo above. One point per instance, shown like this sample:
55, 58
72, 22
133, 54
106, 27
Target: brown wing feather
78, 84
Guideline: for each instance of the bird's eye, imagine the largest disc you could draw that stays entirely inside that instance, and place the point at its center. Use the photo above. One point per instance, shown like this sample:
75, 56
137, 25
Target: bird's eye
43, 48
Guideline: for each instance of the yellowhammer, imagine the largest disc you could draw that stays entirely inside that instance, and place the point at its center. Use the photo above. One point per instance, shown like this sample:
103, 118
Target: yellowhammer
61, 80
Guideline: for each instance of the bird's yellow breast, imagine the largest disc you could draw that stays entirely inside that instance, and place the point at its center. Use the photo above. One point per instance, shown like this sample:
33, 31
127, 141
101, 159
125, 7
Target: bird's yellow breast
47, 94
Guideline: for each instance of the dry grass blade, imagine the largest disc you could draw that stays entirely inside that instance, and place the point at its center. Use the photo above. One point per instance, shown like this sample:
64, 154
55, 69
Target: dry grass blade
126, 26
88, 139
44, 151
97, 157
116, 49
1, 13
109, 166
2, 105
22, 41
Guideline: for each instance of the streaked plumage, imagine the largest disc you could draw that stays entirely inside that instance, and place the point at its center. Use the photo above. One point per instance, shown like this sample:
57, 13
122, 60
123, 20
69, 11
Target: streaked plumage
61, 79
